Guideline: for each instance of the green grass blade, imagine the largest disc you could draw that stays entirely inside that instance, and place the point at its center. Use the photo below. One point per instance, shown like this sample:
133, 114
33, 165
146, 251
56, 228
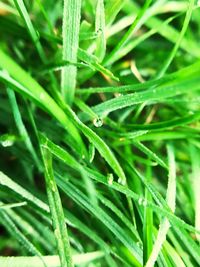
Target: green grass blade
21, 127
112, 8
100, 28
13, 230
50, 261
171, 200
9, 183
94, 64
196, 183
70, 35
80, 198
170, 89
60, 229
128, 34
177, 44
33, 33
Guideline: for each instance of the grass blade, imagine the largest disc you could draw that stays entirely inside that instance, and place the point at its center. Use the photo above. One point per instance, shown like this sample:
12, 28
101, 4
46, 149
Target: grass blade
50, 261
21, 127
60, 229
171, 200
70, 35
100, 28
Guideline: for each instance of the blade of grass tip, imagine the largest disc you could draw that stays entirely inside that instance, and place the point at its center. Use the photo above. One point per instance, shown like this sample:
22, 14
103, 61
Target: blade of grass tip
12, 205
178, 42
150, 154
128, 34
112, 8
94, 64
21, 127
195, 158
100, 29
55, 205
86, 109
171, 201
70, 35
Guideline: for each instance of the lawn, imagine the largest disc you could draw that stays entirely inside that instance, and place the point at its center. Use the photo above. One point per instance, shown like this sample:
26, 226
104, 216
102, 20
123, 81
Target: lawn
99, 133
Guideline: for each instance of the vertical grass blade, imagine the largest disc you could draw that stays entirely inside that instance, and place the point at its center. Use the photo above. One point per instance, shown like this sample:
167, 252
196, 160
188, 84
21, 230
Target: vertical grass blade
171, 201
180, 38
128, 34
195, 158
21, 127
148, 222
34, 35
70, 35
100, 29
55, 205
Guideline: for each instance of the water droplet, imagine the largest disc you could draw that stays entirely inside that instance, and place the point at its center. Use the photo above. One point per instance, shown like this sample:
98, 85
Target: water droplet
83, 156
98, 122
110, 178
7, 143
121, 181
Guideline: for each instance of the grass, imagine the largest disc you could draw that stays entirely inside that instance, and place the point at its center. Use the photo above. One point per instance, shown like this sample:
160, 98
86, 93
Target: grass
99, 133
